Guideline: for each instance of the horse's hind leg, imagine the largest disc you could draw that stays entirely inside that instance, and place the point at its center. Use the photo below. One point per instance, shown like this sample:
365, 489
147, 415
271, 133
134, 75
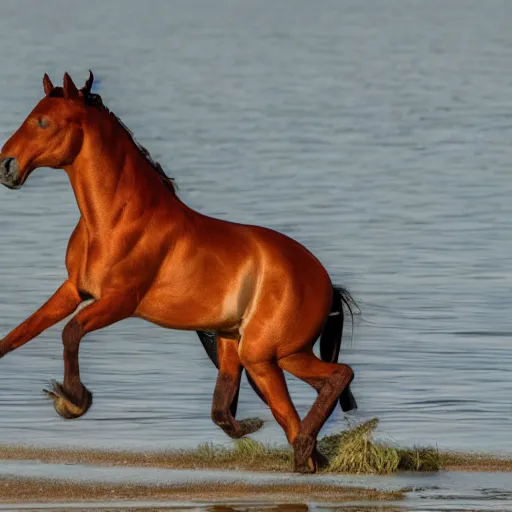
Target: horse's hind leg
226, 391
209, 342
330, 379
271, 382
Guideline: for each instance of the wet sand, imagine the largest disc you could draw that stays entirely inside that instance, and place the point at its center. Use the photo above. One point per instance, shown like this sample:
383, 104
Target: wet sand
195, 459
475, 462
36, 485
20, 489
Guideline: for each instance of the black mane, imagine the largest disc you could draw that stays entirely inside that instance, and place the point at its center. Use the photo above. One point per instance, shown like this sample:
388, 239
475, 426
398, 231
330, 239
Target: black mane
96, 101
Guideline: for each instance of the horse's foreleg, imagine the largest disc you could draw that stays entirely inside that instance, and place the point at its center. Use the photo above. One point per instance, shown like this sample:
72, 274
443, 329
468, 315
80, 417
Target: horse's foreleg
73, 399
226, 391
62, 303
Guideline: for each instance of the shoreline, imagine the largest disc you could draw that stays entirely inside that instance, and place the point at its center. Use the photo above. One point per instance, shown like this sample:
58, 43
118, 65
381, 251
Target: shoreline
205, 458
17, 490
64, 479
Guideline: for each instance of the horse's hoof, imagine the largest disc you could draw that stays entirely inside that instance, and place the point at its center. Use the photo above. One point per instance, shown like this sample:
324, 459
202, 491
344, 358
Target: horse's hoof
64, 405
250, 425
307, 468
321, 460
306, 457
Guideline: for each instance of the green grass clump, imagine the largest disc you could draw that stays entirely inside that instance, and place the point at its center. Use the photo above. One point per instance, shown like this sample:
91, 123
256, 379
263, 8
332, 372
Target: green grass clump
419, 458
245, 453
354, 451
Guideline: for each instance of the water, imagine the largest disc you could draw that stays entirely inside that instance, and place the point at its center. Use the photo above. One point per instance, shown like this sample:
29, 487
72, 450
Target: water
376, 133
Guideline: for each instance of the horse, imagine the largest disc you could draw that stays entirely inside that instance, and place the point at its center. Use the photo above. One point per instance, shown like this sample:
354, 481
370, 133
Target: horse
139, 251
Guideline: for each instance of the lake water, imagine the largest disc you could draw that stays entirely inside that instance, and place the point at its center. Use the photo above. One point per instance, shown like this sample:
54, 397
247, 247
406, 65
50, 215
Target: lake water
378, 134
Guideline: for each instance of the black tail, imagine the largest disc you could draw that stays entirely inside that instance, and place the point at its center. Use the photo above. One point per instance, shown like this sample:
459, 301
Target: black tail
330, 340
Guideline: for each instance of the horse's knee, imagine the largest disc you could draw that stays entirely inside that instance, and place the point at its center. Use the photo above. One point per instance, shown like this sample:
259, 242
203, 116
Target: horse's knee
72, 334
347, 372
338, 381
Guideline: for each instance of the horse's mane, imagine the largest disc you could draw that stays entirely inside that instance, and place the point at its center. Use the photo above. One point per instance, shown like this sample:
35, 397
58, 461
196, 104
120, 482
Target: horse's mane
96, 101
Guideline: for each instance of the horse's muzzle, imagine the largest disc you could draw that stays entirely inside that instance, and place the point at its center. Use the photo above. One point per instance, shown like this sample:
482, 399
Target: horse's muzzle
10, 172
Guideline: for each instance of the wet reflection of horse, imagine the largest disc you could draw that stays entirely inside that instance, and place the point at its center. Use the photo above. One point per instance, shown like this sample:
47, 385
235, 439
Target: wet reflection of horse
139, 251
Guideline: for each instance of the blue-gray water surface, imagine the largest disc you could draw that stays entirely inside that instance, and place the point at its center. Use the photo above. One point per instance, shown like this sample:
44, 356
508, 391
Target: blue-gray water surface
378, 134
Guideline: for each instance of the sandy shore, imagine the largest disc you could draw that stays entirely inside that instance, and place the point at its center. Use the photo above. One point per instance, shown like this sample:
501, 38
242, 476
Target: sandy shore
195, 459
108, 480
19, 490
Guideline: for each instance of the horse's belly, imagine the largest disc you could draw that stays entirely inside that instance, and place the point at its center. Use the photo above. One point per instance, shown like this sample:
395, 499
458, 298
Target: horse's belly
205, 296
187, 313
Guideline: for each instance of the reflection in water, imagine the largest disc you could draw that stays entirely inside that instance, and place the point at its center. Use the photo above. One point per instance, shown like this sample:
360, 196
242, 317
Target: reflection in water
285, 507
295, 507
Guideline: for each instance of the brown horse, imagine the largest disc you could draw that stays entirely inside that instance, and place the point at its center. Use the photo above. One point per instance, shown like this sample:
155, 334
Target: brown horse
139, 251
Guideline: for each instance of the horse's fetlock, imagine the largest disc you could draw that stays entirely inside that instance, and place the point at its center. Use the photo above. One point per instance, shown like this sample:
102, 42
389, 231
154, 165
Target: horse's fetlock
220, 417
304, 447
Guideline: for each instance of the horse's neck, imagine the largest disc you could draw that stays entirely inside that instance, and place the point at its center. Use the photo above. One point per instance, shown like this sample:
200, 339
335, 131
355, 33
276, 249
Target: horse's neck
110, 176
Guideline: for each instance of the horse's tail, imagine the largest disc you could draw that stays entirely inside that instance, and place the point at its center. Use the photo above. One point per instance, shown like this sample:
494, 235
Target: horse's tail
330, 340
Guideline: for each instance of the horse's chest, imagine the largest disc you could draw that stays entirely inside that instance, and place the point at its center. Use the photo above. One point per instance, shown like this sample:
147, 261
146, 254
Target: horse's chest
94, 270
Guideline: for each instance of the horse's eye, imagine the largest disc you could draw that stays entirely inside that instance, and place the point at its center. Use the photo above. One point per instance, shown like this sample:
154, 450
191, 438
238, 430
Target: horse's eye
42, 122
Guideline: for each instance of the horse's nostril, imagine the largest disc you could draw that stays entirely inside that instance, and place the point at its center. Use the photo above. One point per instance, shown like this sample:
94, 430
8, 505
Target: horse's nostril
9, 172
7, 163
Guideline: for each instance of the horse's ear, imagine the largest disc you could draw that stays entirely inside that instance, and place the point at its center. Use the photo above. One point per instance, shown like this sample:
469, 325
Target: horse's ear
70, 90
86, 89
47, 85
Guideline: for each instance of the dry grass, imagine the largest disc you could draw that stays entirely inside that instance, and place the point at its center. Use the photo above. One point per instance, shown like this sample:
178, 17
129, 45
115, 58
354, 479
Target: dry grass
43, 490
352, 451
246, 453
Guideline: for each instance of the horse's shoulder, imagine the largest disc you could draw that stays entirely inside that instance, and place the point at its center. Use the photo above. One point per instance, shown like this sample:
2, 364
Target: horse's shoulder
76, 244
